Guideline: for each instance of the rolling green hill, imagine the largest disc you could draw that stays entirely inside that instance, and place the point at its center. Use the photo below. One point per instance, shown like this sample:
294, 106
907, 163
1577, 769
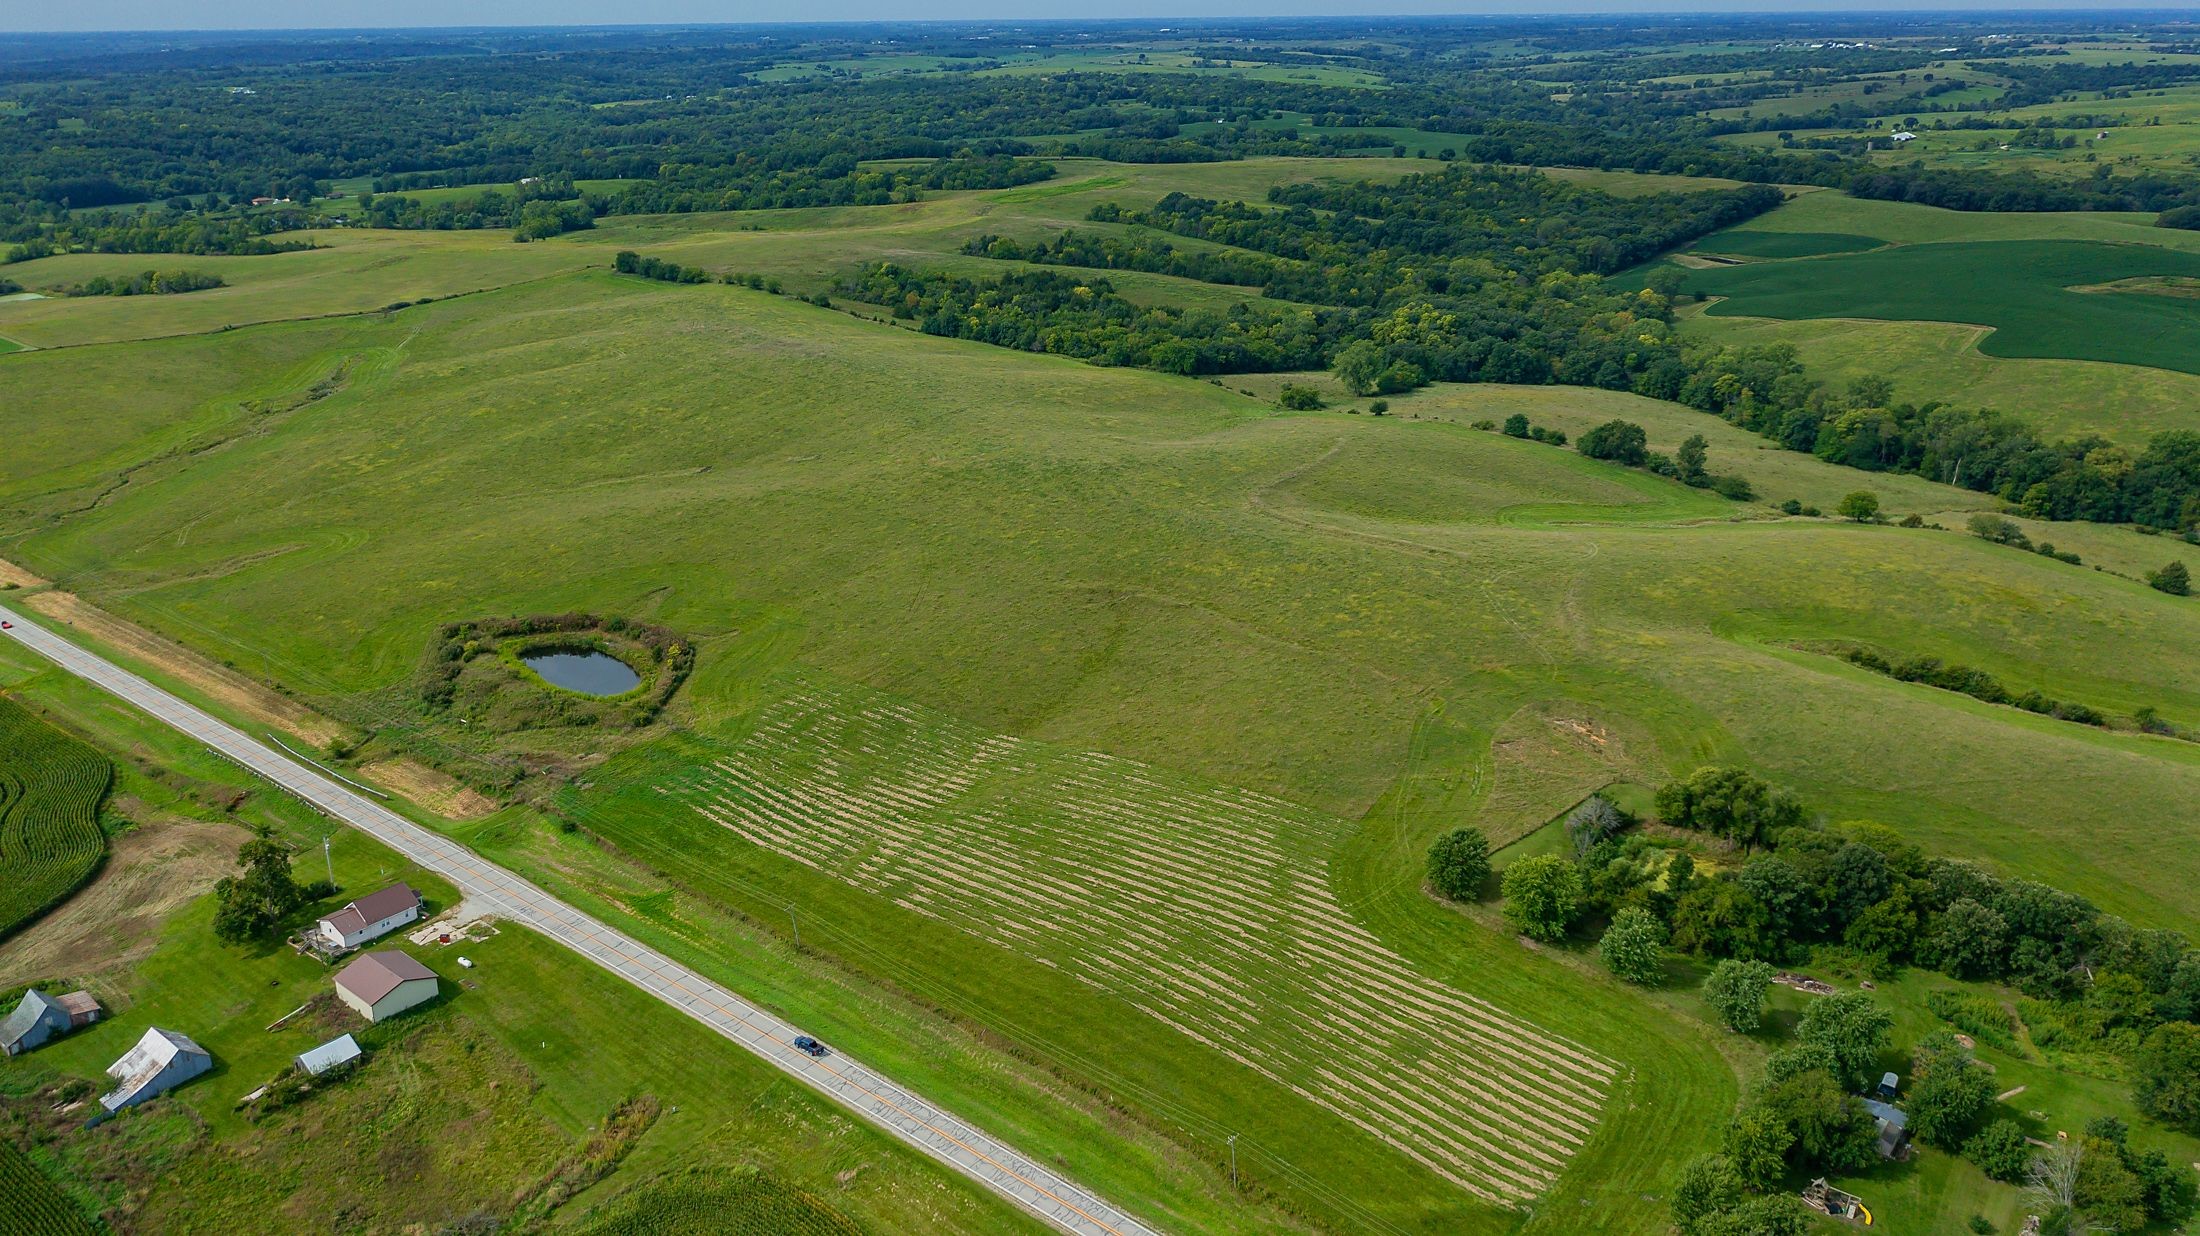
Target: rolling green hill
1395, 623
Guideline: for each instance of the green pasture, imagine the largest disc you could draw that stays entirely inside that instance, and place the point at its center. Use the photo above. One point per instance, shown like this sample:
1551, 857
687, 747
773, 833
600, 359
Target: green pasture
1784, 244
1905, 223
2026, 291
1396, 622
353, 272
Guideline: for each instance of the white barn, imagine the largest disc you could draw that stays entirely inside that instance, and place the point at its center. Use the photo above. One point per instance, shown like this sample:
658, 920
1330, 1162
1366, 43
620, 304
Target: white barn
371, 917
161, 1061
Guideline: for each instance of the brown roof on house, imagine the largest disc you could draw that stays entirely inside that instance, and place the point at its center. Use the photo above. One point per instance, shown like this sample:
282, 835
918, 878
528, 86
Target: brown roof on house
373, 908
78, 1003
376, 975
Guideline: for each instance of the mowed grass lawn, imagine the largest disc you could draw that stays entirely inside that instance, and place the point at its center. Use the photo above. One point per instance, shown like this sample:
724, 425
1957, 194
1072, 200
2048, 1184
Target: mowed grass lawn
2024, 289
1369, 617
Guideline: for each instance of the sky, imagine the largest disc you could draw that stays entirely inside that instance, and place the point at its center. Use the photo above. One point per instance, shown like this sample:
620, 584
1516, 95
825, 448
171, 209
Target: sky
33, 15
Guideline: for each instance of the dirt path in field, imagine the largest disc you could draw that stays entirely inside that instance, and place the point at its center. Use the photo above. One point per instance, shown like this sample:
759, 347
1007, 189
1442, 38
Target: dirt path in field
431, 789
230, 688
115, 920
13, 574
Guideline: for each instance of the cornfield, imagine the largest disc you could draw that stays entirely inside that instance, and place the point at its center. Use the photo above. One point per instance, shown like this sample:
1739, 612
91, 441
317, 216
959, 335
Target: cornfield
31, 1204
50, 789
705, 1202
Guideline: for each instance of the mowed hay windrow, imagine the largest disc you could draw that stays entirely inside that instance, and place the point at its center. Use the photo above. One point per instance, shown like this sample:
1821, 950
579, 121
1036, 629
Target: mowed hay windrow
1204, 906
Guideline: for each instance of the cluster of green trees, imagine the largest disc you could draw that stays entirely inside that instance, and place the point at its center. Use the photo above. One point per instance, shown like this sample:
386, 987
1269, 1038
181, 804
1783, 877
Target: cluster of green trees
1856, 888
1765, 390
765, 182
1041, 311
628, 262
1976, 683
254, 903
158, 231
1624, 442
1954, 189
148, 283
535, 211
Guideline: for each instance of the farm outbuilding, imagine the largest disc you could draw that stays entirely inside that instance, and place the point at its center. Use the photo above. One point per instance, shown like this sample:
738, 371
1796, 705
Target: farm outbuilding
371, 917
161, 1061
382, 985
40, 1017
1894, 1128
341, 1050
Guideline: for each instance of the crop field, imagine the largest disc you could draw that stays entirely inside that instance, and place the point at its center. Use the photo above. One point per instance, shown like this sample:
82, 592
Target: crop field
1943, 359
2036, 295
1204, 907
50, 790
31, 1204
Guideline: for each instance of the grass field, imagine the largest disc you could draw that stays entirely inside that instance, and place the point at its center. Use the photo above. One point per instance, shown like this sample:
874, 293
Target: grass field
50, 790
1784, 244
352, 272
2027, 291
1040, 614
742, 1202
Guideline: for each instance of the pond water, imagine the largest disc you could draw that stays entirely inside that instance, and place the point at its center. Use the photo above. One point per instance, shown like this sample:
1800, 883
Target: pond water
590, 673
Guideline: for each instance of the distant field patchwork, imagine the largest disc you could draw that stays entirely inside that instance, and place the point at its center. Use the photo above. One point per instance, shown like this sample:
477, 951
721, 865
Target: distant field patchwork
1206, 907
2026, 290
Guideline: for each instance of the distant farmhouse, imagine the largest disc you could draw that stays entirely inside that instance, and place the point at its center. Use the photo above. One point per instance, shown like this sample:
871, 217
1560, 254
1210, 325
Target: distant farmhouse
41, 1017
161, 1061
1904, 136
382, 985
371, 917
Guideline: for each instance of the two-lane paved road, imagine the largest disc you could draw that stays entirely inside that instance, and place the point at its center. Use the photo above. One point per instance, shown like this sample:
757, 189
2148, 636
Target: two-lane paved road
907, 1116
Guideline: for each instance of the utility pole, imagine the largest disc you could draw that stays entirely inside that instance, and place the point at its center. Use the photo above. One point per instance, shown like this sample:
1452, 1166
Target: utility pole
797, 928
330, 863
1233, 1163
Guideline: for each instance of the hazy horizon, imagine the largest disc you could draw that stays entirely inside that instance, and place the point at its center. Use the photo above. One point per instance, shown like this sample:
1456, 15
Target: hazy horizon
121, 16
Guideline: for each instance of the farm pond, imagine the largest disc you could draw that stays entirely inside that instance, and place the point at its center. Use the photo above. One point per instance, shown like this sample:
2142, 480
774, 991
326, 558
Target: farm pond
590, 673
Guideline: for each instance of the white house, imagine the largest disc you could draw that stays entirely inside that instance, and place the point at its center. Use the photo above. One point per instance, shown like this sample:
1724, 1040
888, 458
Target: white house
371, 917
161, 1061
381, 985
1905, 136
